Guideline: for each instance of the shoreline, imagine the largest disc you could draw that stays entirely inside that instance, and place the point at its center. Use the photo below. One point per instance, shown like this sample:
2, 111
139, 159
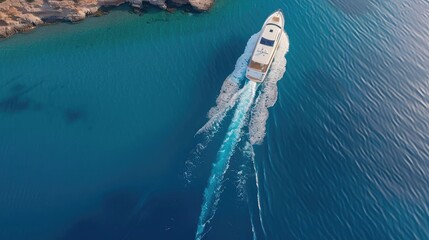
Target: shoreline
25, 15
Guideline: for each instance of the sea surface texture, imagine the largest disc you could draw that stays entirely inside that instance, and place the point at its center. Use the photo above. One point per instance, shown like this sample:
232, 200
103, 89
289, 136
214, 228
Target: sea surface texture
128, 127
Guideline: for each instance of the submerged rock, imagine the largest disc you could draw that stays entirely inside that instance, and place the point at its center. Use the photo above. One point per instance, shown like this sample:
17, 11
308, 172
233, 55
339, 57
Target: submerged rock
19, 16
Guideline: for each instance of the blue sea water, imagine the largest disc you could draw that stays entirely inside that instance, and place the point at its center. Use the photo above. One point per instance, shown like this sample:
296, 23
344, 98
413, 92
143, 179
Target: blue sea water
98, 121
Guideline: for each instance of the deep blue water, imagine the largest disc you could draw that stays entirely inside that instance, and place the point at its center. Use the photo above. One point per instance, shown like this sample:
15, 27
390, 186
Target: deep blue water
98, 119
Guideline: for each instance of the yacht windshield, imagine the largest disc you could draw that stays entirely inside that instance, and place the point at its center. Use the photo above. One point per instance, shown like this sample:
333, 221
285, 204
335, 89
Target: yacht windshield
267, 42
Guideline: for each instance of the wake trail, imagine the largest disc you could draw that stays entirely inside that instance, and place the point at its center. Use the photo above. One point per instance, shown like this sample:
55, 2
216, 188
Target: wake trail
214, 187
230, 90
251, 153
256, 224
226, 100
230, 96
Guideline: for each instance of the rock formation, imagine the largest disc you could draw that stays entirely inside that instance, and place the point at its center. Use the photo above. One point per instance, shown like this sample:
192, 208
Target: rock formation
201, 5
23, 15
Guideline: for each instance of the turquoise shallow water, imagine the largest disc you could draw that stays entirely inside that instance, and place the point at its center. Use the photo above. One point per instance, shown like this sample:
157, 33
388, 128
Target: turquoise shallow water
97, 120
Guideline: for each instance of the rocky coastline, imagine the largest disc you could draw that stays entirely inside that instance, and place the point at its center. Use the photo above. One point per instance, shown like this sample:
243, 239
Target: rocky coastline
23, 15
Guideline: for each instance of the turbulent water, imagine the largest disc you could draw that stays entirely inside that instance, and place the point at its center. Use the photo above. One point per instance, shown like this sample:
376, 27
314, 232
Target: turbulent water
213, 189
98, 124
244, 99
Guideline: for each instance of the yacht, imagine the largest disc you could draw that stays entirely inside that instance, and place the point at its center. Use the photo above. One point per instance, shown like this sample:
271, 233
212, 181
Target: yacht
266, 47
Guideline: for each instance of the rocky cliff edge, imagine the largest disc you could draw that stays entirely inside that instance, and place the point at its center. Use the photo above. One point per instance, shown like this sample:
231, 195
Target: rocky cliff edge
23, 15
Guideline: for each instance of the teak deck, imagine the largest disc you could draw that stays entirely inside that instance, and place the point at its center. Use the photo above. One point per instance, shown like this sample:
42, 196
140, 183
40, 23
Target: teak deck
258, 66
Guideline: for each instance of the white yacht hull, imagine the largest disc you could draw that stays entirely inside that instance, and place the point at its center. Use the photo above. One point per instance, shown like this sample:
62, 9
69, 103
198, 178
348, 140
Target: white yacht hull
266, 47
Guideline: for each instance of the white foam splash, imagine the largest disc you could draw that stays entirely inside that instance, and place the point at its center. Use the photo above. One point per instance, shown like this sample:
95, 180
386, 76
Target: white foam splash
243, 174
268, 93
233, 136
226, 100
230, 91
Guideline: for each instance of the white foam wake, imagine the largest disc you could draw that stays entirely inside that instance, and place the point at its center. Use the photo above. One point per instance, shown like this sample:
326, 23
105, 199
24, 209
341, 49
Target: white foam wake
228, 97
214, 187
250, 154
268, 93
226, 100
258, 195
229, 92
